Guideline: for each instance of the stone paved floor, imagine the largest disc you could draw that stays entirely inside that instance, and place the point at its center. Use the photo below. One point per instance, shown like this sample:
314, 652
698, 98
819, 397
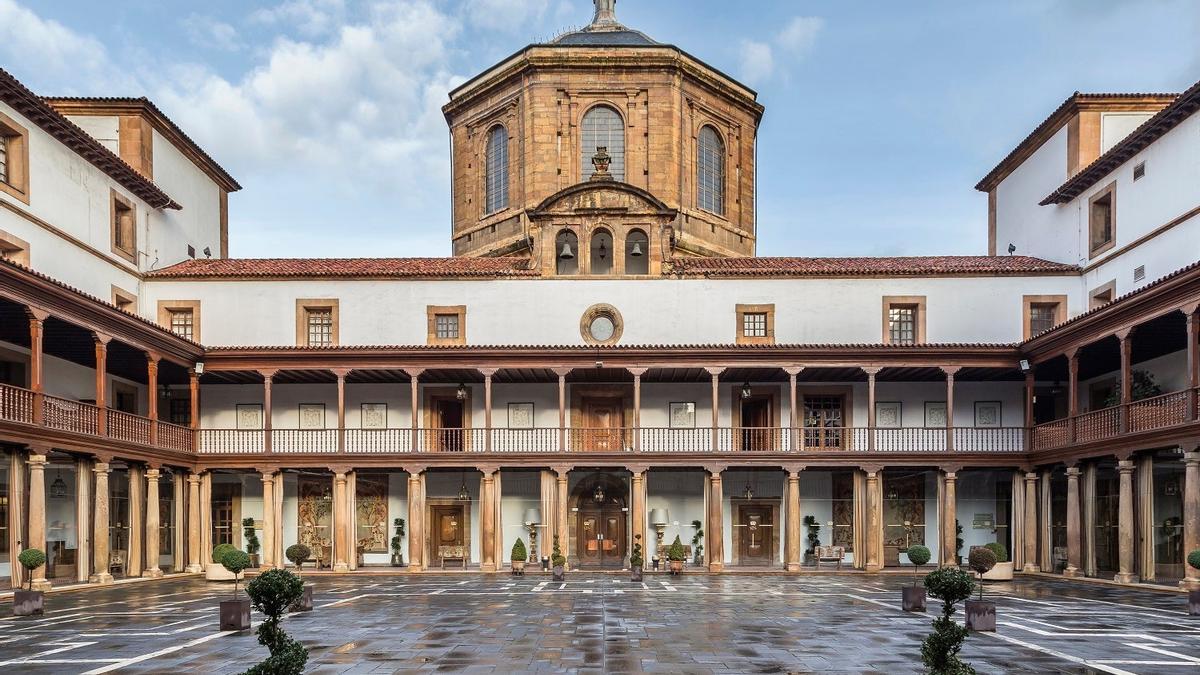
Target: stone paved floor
596, 623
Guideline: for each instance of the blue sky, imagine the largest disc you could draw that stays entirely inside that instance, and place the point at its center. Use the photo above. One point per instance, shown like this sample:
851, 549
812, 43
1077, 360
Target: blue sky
881, 115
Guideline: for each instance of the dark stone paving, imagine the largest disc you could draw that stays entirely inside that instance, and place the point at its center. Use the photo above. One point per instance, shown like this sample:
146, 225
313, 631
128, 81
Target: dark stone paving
604, 623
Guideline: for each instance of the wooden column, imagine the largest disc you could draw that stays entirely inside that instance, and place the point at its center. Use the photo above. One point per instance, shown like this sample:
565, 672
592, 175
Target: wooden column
637, 511
36, 537
267, 560
37, 319
1072, 391
794, 547
949, 552
1125, 345
194, 399
1192, 313
268, 376
794, 421
341, 552
715, 374
874, 534
950, 371
1031, 522
871, 421
1029, 420
716, 522
562, 411
152, 394
1074, 525
1126, 525
488, 507
637, 407
101, 340
152, 524
414, 384
1191, 515
341, 374
100, 516
487, 407
194, 565
416, 519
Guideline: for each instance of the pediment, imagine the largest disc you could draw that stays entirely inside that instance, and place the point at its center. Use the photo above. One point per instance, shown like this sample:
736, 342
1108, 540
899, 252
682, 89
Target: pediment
608, 197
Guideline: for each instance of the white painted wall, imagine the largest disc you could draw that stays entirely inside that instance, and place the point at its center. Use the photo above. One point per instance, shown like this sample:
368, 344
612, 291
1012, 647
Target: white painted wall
1115, 126
1036, 230
198, 223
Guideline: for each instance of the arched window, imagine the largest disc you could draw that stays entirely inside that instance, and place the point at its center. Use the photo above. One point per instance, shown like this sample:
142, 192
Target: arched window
566, 253
600, 257
637, 253
710, 171
603, 128
496, 179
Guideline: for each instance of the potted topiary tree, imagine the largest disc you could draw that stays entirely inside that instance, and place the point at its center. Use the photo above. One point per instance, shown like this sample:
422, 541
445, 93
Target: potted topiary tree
697, 543
252, 545
958, 542
981, 614
518, 558
215, 571
940, 650
676, 555
298, 553
914, 597
814, 536
235, 613
1193, 559
273, 593
29, 602
636, 561
1003, 569
558, 562
397, 543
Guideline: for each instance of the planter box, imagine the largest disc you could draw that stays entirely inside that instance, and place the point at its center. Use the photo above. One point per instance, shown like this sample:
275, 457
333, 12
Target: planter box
235, 614
559, 573
518, 568
397, 560
1194, 603
914, 599
676, 566
981, 615
305, 603
28, 603
1001, 572
254, 561
635, 574
217, 572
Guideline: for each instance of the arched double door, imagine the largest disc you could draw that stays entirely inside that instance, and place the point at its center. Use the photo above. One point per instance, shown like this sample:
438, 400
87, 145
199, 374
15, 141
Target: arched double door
602, 521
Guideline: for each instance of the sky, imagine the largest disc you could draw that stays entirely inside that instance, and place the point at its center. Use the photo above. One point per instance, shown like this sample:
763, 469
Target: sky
881, 115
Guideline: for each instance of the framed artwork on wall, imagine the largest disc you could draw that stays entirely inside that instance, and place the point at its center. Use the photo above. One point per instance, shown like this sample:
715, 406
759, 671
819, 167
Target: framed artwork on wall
935, 414
520, 415
374, 415
988, 414
249, 416
888, 414
683, 415
312, 415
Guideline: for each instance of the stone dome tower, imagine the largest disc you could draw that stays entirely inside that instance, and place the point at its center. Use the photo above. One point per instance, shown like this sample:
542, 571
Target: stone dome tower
677, 131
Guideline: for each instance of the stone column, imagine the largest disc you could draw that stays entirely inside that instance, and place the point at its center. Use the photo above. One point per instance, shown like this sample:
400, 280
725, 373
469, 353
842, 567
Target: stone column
1191, 515
874, 534
137, 493
560, 521
152, 570
194, 527
1126, 575
487, 520
1074, 525
416, 520
37, 516
949, 554
267, 560
794, 547
716, 523
83, 515
637, 511
341, 559
1031, 522
100, 569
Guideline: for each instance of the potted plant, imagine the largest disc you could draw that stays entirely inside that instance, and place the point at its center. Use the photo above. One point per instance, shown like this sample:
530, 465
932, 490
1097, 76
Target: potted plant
1003, 570
697, 543
940, 650
252, 545
29, 602
235, 613
273, 593
558, 562
636, 561
215, 571
1193, 559
518, 558
814, 535
298, 553
675, 555
914, 597
981, 614
397, 543
958, 542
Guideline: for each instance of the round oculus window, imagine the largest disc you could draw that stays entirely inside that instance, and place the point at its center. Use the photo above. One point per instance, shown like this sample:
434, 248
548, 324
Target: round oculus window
601, 325
602, 328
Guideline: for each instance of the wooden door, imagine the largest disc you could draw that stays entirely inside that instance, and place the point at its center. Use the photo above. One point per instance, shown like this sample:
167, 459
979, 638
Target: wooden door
824, 422
449, 539
603, 419
449, 421
756, 423
755, 535
600, 538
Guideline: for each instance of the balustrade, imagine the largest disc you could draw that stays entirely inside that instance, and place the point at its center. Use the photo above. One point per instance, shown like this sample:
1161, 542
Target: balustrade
16, 404
378, 440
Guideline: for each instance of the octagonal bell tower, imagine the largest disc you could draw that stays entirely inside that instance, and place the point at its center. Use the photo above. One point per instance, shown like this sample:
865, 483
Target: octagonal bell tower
672, 127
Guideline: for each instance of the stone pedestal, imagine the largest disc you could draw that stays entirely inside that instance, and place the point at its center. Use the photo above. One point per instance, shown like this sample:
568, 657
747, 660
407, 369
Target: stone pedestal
981, 615
913, 599
235, 614
28, 603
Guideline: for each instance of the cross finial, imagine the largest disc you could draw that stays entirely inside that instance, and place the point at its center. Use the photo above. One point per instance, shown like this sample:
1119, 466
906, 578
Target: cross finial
606, 12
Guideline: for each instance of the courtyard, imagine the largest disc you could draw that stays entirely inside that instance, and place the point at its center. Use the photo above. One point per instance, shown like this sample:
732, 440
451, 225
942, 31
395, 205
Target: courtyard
605, 623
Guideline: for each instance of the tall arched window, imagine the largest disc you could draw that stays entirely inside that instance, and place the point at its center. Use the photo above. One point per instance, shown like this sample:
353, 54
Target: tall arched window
496, 179
710, 171
603, 128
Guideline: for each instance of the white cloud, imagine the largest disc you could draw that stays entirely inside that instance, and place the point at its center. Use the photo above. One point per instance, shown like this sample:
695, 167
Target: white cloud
209, 33
757, 61
800, 35
509, 16
43, 48
310, 17
797, 39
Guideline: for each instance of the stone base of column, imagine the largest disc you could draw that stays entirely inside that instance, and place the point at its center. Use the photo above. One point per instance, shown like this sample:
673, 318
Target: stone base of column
487, 567
1125, 578
152, 573
341, 567
194, 569
1031, 567
792, 567
715, 566
1073, 573
869, 567
105, 578
41, 585
1190, 584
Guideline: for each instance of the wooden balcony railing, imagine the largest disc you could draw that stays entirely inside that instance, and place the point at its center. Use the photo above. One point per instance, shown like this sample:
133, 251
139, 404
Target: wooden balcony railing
230, 441
304, 441
126, 427
378, 440
68, 415
1150, 414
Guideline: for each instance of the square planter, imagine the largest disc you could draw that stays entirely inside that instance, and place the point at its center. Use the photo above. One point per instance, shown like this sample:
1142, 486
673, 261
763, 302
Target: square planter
28, 603
559, 573
305, 603
1001, 572
981, 615
1194, 603
217, 572
635, 575
235, 614
914, 599
518, 568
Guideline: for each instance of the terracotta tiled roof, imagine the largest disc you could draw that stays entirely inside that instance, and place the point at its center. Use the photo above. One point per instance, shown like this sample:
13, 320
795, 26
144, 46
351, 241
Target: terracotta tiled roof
854, 267
620, 347
32, 107
1184, 106
346, 268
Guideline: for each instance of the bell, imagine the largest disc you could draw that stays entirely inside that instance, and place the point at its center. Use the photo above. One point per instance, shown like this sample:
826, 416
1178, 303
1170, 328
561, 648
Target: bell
567, 253
637, 249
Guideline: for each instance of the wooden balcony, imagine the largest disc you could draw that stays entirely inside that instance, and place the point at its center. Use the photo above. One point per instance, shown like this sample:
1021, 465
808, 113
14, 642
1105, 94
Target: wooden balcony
1167, 411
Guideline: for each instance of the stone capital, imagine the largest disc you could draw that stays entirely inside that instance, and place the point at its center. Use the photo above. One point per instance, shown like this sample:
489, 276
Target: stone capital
1192, 457
340, 472
872, 470
1124, 333
638, 470
950, 371
101, 339
413, 372
488, 471
714, 370
193, 479
1126, 466
1031, 476
36, 460
951, 470
101, 468
637, 371
562, 372
716, 470
341, 373
872, 370
562, 470
36, 313
1073, 472
793, 371
153, 473
488, 372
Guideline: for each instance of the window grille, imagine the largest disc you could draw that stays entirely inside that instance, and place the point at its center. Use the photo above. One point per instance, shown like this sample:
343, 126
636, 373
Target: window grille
754, 324
710, 171
182, 323
497, 170
902, 324
1042, 317
446, 326
320, 327
603, 128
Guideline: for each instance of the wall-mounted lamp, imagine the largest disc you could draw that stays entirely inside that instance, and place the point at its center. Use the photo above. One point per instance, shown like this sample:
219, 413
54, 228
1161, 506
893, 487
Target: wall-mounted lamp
461, 393
747, 392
